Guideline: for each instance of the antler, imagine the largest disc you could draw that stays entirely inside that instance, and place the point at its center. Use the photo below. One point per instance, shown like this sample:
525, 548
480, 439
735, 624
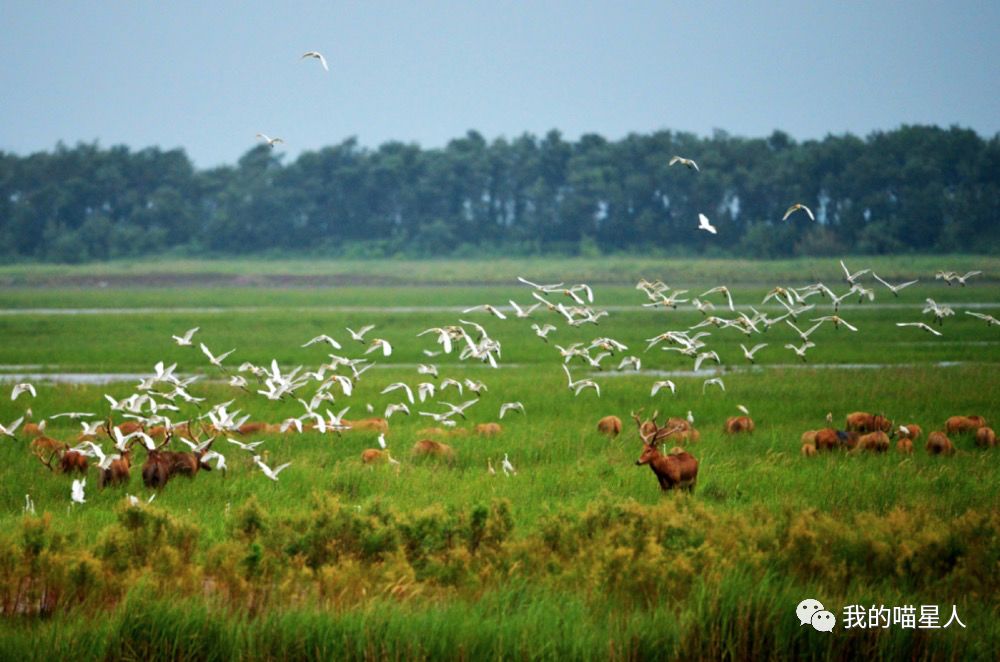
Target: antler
48, 464
167, 437
635, 417
663, 433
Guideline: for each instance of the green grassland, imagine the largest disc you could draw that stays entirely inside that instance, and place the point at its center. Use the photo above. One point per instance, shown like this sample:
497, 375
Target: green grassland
578, 556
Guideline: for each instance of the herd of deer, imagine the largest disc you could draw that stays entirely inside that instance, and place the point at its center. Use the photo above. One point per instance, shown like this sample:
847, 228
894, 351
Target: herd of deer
864, 432
874, 432
160, 466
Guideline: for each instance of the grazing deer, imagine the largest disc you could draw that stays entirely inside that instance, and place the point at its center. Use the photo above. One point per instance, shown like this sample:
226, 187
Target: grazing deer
434, 449
938, 443
986, 437
677, 469
864, 422
877, 442
610, 426
905, 445
960, 424
910, 431
488, 429
738, 424
368, 424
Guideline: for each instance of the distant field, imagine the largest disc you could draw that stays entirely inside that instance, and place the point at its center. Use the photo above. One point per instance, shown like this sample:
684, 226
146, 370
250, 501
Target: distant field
614, 269
578, 556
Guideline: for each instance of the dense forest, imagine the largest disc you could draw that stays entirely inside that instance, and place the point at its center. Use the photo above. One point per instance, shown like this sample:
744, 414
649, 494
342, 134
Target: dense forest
916, 188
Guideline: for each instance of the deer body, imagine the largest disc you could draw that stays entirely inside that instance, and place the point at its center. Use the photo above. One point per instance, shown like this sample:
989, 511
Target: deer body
673, 470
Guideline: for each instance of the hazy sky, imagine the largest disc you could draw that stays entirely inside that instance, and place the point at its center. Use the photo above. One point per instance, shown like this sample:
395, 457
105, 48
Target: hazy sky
207, 76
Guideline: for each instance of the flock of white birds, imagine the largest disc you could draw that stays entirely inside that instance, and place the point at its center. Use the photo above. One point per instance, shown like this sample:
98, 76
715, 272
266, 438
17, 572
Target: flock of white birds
162, 395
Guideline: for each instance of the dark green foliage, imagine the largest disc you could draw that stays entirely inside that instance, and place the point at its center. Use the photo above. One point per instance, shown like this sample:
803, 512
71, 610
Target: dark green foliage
916, 188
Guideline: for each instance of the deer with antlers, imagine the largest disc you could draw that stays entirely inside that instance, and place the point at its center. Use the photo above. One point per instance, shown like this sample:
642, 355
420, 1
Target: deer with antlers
676, 469
47, 449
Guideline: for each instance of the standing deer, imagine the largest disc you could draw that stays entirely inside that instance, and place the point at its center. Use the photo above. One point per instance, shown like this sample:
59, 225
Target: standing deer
677, 469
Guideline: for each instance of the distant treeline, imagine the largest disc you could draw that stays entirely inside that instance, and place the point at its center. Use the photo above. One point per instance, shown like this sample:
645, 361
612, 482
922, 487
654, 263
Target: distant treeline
917, 188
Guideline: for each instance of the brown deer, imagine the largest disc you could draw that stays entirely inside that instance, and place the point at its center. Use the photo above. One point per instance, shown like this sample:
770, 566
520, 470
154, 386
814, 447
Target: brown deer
905, 445
156, 471
118, 471
877, 442
611, 426
433, 449
488, 429
938, 443
986, 437
368, 424
826, 439
676, 469
738, 424
860, 421
910, 431
961, 424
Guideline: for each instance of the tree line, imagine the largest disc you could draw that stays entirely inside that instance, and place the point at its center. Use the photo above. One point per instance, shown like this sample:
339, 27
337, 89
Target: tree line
915, 188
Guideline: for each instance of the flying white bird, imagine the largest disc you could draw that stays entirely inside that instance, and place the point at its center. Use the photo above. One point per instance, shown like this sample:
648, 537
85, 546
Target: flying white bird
359, 335
714, 381
511, 406
214, 360
685, 162
316, 55
393, 408
397, 386
185, 340
743, 409
8, 430
22, 388
324, 338
893, 288
794, 208
424, 369
961, 279
837, 321
804, 335
721, 289
920, 325
704, 224
271, 142
380, 343
661, 384
749, 353
543, 331
580, 384
851, 277
77, 492
801, 351
75, 415
523, 312
247, 447
448, 381
268, 471
989, 319
486, 308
